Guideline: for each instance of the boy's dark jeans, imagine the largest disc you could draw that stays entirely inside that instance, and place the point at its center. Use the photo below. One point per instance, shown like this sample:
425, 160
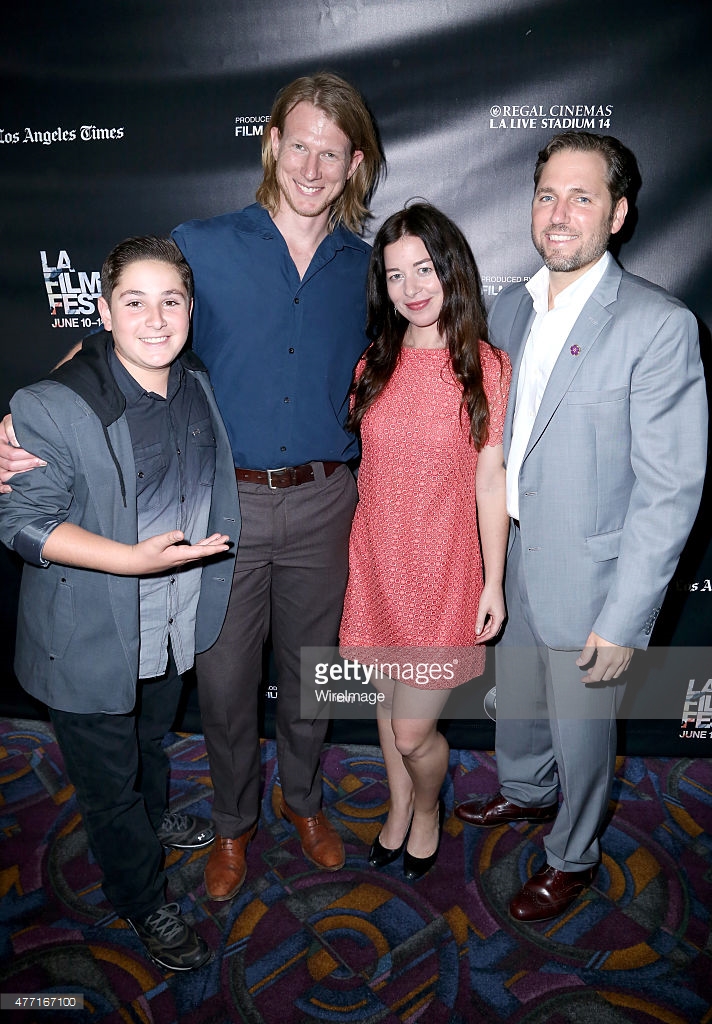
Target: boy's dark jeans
119, 770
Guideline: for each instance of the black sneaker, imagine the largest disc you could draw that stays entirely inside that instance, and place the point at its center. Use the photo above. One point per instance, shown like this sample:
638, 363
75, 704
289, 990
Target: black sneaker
169, 941
185, 832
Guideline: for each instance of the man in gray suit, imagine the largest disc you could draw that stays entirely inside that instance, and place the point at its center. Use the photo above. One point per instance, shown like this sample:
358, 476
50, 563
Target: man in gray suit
605, 443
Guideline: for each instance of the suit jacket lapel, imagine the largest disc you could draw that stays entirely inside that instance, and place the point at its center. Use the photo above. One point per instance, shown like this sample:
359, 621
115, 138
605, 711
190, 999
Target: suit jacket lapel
583, 336
521, 325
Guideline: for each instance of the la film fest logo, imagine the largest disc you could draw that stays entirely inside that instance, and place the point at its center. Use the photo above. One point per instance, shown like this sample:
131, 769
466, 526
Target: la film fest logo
48, 136
249, 125
556, 117
697, 711
72, 294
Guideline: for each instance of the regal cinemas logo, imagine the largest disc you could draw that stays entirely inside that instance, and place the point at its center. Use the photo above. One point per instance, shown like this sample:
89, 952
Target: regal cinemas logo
551, 116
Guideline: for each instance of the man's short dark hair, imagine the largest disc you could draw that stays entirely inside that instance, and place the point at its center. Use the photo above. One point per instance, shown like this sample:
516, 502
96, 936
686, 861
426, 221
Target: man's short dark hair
143, 247
620, 162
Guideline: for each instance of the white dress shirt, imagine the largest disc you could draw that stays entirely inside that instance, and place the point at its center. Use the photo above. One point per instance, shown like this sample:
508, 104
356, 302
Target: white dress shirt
546, 339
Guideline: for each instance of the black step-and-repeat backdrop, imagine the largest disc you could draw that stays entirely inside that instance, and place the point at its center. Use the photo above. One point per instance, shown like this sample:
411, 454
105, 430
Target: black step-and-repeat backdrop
128, 118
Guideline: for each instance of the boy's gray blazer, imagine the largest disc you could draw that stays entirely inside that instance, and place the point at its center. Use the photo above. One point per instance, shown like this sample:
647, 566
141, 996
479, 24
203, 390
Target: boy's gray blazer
78, 630
612, 476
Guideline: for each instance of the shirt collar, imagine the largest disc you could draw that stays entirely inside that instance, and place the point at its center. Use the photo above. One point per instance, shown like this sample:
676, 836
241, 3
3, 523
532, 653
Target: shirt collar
130, 387
339, 238
578, 292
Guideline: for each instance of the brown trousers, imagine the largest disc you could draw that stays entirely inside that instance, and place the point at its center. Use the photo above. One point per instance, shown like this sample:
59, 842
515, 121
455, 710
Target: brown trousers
290, 576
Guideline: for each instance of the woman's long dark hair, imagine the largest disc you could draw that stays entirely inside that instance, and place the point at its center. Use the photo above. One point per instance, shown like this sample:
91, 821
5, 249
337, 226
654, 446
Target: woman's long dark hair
462, 321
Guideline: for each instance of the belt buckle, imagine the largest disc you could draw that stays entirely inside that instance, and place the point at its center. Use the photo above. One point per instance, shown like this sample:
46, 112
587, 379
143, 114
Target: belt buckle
272, 486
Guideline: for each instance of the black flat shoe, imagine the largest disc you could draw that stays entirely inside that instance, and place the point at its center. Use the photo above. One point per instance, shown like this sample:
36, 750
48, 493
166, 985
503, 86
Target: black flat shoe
416, 867
379, 855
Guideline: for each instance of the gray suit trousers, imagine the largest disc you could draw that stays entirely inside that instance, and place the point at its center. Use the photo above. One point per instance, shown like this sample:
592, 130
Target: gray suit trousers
290, 576
553, 732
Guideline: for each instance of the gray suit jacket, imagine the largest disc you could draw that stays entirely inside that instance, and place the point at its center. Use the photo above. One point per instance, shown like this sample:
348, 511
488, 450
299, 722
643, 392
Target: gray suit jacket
78, 630
612, 476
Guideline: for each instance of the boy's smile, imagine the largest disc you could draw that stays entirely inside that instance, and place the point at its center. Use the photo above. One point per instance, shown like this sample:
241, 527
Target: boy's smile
149, 317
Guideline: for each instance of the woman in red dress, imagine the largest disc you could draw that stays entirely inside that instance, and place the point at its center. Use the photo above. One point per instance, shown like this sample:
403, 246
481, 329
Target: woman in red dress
427, 547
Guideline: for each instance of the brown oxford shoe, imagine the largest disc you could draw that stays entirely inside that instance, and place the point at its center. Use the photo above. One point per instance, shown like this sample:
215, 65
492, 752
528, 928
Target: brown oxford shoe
227, 868
549, 893
321, 843
499, 811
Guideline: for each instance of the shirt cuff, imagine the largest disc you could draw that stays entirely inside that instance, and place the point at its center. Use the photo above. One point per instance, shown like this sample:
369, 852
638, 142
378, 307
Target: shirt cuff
31, 539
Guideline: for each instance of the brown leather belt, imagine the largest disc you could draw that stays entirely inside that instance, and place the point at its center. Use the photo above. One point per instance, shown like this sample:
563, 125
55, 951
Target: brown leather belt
285, 476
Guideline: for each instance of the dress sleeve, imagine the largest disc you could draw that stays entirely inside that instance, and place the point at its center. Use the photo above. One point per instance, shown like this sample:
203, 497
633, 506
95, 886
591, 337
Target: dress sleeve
496, 378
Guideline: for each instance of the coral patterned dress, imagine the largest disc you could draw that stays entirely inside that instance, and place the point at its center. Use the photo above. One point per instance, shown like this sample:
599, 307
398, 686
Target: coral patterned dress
415, 565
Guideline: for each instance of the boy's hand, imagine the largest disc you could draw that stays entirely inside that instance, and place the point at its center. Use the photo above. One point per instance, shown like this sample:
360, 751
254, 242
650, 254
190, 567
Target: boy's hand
13, 459
169, 550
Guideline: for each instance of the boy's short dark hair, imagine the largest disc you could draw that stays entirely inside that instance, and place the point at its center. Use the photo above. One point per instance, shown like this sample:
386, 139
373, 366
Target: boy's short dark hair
143, 247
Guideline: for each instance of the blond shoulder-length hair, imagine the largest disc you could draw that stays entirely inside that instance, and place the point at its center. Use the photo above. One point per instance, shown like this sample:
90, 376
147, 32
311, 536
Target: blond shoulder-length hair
343, 105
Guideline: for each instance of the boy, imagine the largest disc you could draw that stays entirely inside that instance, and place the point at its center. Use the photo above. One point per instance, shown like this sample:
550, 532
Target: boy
137, 460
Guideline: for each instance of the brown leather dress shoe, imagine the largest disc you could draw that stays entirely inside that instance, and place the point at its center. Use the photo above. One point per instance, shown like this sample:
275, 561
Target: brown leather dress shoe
499, 811
321, 843
226, 868
549, 893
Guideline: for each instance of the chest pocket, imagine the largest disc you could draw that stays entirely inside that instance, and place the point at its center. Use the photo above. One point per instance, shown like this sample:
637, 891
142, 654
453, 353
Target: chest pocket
596, 397
203, 446
150, 473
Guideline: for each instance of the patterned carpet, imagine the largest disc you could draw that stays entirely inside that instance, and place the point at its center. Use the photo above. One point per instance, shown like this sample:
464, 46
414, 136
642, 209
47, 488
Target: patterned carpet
359, 945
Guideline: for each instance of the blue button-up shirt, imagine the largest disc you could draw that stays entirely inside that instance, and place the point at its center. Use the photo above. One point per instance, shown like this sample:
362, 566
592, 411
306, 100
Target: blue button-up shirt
280, 350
